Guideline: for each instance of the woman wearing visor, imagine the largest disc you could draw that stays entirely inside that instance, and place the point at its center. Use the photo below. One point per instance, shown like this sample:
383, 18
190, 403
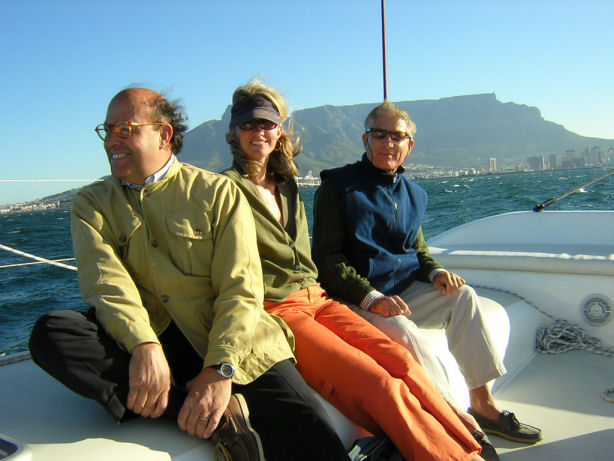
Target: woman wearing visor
372, 380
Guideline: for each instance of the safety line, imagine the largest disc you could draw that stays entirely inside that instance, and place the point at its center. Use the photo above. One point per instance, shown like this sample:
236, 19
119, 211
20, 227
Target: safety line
542, 206
6, 266
50, 180
38, 258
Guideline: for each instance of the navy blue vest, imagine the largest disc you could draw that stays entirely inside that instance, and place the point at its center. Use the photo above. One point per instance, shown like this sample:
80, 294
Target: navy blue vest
381, 214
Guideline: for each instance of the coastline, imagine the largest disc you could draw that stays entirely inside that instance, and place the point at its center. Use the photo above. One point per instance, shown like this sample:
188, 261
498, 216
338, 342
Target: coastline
414, 177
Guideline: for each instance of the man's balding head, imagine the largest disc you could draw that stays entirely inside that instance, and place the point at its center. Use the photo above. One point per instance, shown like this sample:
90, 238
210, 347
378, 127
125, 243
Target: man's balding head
154, 106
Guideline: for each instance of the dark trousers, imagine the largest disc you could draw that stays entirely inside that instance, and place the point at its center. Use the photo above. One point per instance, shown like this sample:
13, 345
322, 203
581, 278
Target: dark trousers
74, 349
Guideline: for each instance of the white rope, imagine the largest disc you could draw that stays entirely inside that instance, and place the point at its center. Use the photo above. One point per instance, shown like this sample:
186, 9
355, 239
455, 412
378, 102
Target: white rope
37, 258
50, 180
6, 266
564, 336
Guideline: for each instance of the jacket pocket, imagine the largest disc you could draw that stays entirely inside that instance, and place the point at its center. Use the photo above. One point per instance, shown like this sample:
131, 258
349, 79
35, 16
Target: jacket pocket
192, 248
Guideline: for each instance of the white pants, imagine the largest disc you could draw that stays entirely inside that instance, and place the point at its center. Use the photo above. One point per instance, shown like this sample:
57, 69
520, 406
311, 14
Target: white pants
469, 337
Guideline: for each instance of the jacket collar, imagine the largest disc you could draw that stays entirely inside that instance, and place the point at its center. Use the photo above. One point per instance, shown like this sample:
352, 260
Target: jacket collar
381, 176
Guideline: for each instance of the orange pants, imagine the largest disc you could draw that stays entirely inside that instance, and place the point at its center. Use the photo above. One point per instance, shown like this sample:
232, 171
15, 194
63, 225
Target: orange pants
372, 380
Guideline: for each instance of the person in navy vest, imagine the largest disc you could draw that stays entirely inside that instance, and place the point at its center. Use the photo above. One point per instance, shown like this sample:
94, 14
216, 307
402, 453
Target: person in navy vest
370, 251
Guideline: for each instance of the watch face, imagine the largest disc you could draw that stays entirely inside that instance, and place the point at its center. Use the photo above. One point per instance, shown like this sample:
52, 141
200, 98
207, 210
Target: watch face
227, 370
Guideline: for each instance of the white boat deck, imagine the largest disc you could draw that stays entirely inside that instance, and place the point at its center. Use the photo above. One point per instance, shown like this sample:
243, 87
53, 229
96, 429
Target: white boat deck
57, 424
560, 394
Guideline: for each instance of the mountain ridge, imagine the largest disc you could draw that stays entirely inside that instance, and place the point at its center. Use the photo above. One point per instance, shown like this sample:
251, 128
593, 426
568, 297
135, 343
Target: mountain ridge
456, 132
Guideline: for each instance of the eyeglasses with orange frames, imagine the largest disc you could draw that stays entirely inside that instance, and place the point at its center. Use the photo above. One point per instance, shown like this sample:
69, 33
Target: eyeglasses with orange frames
122, 128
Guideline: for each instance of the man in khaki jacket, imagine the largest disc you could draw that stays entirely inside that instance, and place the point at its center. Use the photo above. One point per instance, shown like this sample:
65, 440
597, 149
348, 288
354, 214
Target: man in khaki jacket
168, 262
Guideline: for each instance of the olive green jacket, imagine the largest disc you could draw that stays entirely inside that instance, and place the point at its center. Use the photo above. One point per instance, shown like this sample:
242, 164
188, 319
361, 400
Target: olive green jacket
285, 250
184, 249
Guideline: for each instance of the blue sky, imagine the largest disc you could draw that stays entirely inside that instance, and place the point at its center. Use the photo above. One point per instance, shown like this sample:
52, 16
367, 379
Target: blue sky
63, 60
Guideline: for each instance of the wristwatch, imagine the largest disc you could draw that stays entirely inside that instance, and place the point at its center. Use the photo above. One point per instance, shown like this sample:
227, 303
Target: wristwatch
225, 369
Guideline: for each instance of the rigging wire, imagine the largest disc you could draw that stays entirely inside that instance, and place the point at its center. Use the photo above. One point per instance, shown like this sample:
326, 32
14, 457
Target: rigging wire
542, 206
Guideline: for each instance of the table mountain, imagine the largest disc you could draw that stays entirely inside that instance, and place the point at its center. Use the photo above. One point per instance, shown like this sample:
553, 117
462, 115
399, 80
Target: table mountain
458, 132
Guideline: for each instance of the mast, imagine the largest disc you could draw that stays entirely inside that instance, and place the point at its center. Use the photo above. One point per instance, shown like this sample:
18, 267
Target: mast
385, 78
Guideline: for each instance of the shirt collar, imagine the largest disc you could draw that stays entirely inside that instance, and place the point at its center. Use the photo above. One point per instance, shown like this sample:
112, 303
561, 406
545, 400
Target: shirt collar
157, 176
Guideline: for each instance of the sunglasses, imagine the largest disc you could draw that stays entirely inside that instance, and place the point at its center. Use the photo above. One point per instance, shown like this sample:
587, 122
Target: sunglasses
396, 136
259, 123
121, 129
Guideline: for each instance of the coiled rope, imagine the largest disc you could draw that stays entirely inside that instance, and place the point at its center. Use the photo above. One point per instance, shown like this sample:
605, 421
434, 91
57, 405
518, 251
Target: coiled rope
562, 336
37, 258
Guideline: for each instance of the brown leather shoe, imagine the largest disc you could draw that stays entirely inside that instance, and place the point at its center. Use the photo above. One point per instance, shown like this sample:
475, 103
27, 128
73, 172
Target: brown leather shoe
508, 427
234, 438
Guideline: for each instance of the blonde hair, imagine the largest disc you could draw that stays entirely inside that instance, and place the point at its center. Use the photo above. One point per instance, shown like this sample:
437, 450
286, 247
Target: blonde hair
388, 108
281, 165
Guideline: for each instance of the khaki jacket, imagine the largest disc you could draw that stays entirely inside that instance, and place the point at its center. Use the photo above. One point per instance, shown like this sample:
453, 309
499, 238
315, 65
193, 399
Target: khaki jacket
184, 249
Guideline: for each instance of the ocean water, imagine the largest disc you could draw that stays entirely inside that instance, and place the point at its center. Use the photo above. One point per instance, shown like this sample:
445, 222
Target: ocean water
26, 292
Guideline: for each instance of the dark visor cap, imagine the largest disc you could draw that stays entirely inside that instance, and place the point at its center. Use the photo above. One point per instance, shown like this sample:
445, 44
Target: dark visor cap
251, 107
